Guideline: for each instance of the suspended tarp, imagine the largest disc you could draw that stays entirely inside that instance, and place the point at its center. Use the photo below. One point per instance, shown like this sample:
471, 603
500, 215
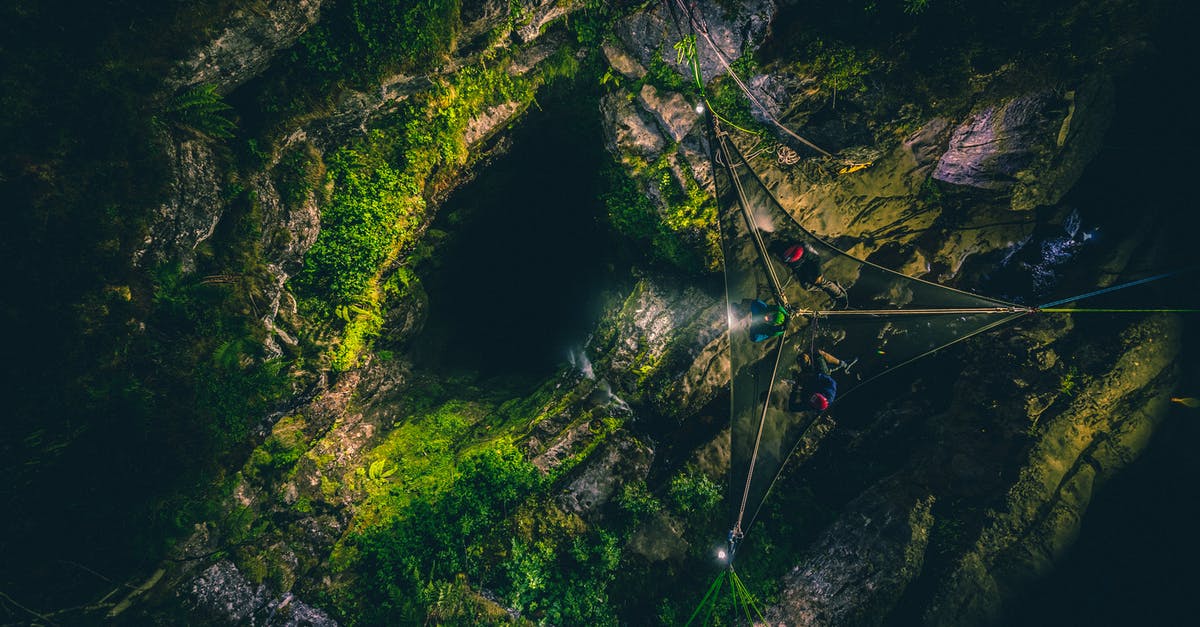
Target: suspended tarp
842, 305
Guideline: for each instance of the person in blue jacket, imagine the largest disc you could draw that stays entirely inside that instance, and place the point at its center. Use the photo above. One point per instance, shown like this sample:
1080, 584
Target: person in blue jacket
766, 321
817, 388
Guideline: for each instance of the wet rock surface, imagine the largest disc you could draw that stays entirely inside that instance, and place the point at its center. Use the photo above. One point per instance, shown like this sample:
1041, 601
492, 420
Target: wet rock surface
247, 41
861, 565
222, 593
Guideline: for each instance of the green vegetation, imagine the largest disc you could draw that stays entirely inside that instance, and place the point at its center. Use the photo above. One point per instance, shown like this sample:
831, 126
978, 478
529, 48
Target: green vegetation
202, 110
841, 69
485, 527
684, 234
356, 43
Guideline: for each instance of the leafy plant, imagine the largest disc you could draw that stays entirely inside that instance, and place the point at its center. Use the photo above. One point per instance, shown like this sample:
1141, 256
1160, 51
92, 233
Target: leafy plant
693, 493
378, 470
202, 110
841, 68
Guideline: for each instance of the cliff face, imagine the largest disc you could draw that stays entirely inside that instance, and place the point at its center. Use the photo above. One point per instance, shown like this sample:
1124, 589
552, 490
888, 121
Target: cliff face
529, 503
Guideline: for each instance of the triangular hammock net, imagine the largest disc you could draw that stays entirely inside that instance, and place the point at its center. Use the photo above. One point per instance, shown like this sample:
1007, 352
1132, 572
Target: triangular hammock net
877, 318
884, 319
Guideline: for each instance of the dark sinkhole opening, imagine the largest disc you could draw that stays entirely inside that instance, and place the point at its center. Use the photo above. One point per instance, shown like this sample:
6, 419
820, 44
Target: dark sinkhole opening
527, 257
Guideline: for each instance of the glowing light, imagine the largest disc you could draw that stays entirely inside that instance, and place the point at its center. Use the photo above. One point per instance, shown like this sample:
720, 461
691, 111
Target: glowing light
721, 554
700, 108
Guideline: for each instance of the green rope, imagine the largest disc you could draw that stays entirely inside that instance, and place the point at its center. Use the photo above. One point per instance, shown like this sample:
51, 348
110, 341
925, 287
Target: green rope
709, 597
722, 118
1087, 310
750, 601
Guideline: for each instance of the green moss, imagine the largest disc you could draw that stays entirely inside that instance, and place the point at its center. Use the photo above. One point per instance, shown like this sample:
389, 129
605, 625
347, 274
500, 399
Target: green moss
330, 488
637, 503
433, 535
841, 69
693, 494
423, 451
377, 205
281, 449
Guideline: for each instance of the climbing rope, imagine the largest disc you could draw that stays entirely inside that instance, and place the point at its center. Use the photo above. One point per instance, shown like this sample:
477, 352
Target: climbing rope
787, 156
874, 313
737, 532
727, 146
1114, 288
743, 600
698, 26
1075, 310
751, 224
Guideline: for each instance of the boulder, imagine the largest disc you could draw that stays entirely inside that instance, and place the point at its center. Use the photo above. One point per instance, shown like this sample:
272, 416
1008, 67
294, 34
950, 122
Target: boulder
859, 568
665, 347
247, 41
658, 28
619, 460
224, 595
193, 206
1089, 434
672, 111
990, 148
622, 61
627, 130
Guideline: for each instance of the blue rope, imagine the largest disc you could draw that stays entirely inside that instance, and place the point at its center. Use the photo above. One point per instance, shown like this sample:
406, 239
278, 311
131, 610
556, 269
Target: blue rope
1109, 289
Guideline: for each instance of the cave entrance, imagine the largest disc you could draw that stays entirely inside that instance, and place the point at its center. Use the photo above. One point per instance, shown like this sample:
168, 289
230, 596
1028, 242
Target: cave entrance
521, 274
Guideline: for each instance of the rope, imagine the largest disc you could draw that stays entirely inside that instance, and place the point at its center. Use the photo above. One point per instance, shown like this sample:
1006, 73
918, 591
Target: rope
762, 421
931, 351
856, 259
747, 214
842, 397
748, 598
850, 313
698, 25
1086, 310
709, 597
1111, 289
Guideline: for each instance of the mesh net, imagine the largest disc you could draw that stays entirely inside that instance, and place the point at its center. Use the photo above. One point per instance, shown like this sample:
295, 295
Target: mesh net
851, 309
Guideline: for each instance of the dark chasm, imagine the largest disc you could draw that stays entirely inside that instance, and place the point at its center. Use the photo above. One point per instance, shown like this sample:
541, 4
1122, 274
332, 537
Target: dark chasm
526, 258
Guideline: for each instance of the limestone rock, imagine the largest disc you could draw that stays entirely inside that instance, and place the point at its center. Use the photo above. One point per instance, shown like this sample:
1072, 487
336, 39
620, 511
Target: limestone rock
478, 18
621, 459
193, 206
539, 13
660, 27
783, 91
862, 564
989, 149
248, 40
665, 347
622, 61
287, 233
1089, 110
1104, 425
627, 131
672, 111
224, 595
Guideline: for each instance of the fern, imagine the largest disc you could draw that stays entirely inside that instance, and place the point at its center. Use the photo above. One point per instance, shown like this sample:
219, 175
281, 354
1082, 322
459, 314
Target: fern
201, 109
377, 471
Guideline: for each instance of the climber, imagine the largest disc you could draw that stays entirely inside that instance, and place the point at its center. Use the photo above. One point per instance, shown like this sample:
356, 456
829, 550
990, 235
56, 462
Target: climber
817, 389
766, 321
805, 262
